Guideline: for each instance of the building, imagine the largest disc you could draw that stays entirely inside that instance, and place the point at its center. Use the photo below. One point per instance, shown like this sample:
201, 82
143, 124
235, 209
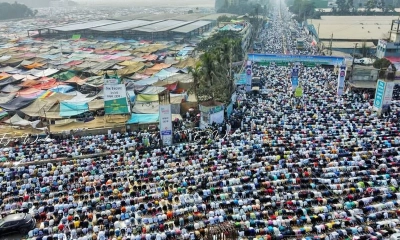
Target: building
341, 33
390, 48
244, 28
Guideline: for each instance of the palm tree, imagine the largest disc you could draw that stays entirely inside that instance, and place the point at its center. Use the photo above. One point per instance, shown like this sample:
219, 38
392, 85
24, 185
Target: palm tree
197, 75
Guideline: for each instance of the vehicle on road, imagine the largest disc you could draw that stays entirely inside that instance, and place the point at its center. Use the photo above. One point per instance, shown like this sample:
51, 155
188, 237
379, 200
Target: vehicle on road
20, 222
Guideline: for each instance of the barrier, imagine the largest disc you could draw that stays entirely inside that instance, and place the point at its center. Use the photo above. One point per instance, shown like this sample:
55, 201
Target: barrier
305, 59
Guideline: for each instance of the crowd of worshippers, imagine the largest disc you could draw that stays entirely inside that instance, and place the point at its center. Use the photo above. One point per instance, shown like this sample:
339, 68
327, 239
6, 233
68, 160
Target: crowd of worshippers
320, 166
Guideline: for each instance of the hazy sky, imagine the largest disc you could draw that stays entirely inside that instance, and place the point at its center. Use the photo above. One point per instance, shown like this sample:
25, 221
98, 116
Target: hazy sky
153, 3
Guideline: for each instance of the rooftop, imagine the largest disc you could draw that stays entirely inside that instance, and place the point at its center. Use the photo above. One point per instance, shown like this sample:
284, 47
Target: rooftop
83, 25
348, 44
126, 25
162, 26
191, 27
352, 27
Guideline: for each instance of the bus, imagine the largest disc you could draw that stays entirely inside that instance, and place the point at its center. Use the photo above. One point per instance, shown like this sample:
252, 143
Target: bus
299, 44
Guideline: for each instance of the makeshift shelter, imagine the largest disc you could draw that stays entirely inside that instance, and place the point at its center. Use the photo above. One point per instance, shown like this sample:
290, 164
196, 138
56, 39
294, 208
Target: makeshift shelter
11, 88
143, 118
40, 107
18, 121
16, 103
6, 97
69, 109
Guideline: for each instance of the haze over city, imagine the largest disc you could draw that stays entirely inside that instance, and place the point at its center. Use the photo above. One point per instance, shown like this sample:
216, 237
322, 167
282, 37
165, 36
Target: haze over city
154, 3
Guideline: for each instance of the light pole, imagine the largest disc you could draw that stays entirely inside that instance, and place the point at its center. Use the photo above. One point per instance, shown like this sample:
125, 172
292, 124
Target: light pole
354, 57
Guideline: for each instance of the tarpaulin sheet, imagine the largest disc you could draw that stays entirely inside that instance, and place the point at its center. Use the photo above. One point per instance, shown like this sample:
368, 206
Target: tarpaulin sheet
153, 90
10, 88
164, 74
32, 95
96, 81
64, 76
146, 107
5, 97
147, 81
8, 81
17, 120
16, 103
29, 83
4, 76
160, 66
40, 107
143, 118
146, 98
62, 88
82, 98
76, 80
27, 77
68, 109
48, 84
96, 104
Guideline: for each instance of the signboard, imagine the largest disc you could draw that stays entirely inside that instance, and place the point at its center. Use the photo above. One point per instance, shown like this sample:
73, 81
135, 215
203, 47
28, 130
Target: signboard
298, 92
387, 97
305, 59
379, 94
166, 124
115, 101
240, 79
111, 81
249, 76
295, 75
341, 79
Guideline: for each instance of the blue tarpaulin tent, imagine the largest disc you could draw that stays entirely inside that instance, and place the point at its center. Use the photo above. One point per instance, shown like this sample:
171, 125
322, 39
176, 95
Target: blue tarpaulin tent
69, 109
143, 118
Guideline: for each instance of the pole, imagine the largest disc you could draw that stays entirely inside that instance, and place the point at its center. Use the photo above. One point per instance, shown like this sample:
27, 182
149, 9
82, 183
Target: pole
330, 45
352, 63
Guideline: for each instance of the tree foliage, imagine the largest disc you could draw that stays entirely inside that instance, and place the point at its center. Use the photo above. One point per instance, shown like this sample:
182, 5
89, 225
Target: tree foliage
242, 8
304, 9
382, 63
212, 77
15, 10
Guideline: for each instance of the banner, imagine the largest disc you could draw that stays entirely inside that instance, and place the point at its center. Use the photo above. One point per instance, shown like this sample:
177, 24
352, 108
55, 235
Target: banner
240, 79
115, 101
249, 76
379, 93
111, 81
295, 75
341, 79
387, 97
298, 92
166, 124
307, 60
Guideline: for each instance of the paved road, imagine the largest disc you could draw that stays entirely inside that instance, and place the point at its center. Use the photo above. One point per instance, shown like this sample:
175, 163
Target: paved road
16, 236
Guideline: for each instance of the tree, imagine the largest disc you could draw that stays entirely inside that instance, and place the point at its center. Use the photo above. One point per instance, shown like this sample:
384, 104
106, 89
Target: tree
369, 5
342, 6
365, 49
382, 63
350, 5
14, 10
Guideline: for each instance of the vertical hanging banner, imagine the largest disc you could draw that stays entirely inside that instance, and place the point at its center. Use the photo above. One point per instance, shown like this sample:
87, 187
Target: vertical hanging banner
387, 97
379, 94
249, 76
115, 101
295, 75
166, 124
341, 79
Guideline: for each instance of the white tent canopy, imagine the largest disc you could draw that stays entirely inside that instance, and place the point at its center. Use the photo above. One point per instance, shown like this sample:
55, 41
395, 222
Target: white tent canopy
18, 121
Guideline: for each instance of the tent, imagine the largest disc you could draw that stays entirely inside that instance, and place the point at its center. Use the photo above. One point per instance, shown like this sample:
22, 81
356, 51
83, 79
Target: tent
16, 103
69, 109
40, 107
5, 97
18, 121
143, 118
61, 89
10, 88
